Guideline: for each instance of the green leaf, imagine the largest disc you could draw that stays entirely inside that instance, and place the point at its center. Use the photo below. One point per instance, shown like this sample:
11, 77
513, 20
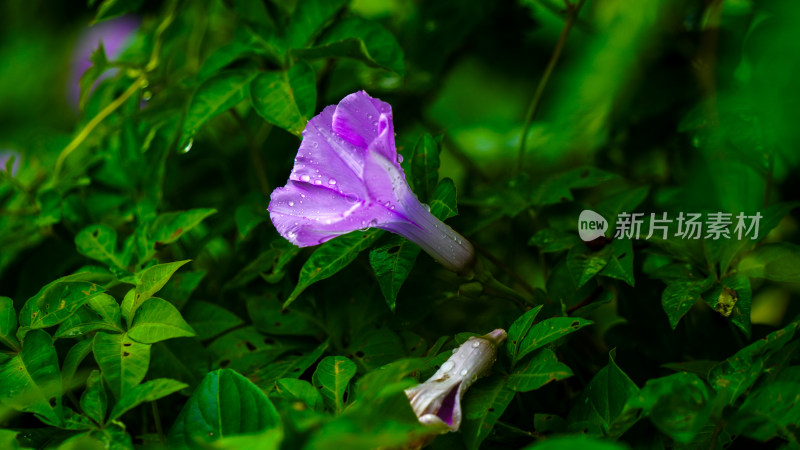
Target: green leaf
626, 200
167, 228
732, 298
620, 262
539, 370
392, 263
100, 313
483, 405
773, 409
359, 39
8, 323
308, 19
425, 167
148, 391
208, 319
332, 377
94, 401
583, 264
557, 189
92, 74
601, 406
286, 98
679, 405
519, 329
181, 285
288, 366
100, 242
123, 361
268, 317
30, 381
548, 331
552, 240
776, 262
443, 204
215, 96
55, 302
8, 440
331, 257
299, 390
772, 215
114, 8
158, 320
76, 354
151, 280
734, 376
224, 404
679, 297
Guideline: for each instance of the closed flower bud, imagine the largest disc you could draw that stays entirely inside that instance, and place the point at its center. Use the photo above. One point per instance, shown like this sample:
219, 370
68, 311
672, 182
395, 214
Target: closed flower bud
438, 400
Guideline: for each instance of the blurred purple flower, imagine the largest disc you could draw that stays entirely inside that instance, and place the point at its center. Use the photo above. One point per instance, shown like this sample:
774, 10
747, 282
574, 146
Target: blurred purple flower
5, 155
115, 36
346, 177
438, 400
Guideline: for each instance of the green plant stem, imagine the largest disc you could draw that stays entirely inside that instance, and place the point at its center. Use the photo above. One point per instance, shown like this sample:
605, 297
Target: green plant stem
502, 266
89, 127
157, 421
572, 14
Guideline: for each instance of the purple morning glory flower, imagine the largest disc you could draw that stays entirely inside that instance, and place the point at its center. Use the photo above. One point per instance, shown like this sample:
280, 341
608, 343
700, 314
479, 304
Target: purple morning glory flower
115, 35
346, 177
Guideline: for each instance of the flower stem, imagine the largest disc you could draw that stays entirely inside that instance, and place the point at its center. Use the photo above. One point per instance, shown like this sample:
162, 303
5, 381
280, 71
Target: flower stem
572, 14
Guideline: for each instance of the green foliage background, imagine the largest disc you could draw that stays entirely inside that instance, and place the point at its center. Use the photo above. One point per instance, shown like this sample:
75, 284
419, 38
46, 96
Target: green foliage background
143, 282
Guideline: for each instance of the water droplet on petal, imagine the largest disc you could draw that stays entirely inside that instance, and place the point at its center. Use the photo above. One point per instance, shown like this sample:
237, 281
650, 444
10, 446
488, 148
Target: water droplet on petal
448, 366
291, 203
331, 181
476, 344
464, 372
305, 178
373, 223
427, 206
399, 158
317, 182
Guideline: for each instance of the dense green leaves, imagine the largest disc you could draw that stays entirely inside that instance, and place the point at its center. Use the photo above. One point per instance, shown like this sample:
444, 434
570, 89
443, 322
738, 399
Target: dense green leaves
168, 147
146, 392
225, 404
484, 405
330, 258
215, 96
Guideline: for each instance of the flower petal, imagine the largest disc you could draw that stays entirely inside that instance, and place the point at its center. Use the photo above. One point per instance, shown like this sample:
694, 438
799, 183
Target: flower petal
325, 159
356, 118
307, 214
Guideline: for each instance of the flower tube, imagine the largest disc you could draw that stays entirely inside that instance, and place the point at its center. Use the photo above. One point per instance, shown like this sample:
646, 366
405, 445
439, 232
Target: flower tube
437, 401
346, 177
